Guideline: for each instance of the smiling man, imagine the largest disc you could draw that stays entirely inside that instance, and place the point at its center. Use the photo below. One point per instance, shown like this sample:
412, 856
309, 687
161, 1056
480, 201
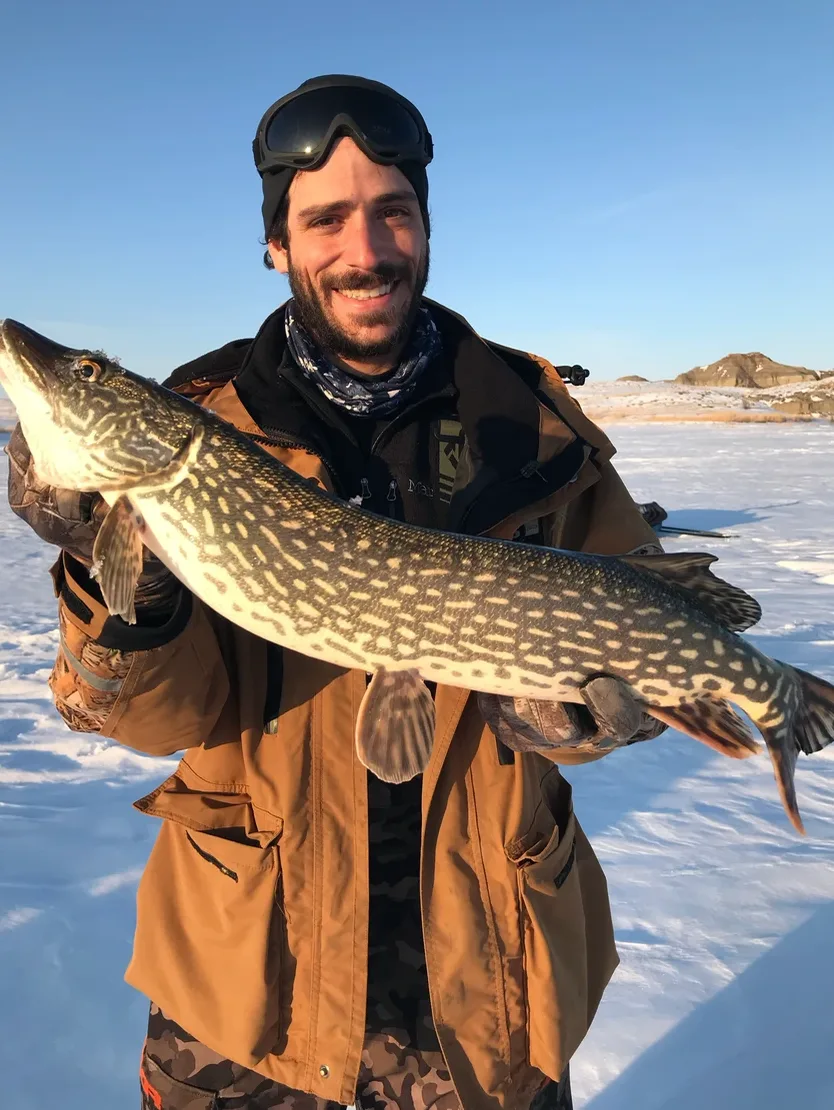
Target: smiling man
308, 935
359, 263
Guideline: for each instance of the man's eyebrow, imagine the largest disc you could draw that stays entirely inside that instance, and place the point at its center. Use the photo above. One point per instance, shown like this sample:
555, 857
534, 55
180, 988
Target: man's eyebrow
396, 198
317, 211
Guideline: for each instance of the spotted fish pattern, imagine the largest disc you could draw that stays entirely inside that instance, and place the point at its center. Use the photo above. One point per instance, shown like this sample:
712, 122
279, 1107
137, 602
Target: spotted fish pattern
273, 553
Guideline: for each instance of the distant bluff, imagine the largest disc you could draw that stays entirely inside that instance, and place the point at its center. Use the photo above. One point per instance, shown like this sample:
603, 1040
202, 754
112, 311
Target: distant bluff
750, 371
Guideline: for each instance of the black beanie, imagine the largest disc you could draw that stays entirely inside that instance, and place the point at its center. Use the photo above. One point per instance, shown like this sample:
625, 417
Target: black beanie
277, 182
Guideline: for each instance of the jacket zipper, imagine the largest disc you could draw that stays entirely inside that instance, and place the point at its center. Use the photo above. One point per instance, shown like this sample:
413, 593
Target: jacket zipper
524, 474
392, 499
277, 440
213, 860
365, 494
400, 417
360, 498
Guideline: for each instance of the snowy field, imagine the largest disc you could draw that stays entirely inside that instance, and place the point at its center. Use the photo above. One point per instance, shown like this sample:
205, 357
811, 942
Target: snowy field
724, 916
633, 402
7, 413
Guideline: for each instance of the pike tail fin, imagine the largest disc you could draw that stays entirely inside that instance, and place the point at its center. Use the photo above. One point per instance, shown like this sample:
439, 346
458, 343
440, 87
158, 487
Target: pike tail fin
800, 719
783, 752
815, 720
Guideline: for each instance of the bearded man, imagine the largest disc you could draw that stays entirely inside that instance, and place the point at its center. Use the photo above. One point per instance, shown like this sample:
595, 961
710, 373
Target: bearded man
308, 935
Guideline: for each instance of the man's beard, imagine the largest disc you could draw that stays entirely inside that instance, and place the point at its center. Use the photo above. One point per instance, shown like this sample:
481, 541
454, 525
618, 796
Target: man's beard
330, 336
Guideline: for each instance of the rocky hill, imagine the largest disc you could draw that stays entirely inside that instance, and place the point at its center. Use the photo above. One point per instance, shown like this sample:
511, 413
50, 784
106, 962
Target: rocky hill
636, 401
750, 371
814, 399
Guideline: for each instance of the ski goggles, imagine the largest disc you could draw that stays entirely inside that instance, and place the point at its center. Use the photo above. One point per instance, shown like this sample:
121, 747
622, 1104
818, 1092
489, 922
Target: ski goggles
298, 130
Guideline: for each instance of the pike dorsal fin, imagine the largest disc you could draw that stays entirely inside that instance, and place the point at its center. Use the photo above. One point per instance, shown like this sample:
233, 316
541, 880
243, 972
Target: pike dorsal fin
689, 572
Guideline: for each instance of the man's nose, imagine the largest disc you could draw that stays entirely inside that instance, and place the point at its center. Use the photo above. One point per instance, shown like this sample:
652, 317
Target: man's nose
365, 243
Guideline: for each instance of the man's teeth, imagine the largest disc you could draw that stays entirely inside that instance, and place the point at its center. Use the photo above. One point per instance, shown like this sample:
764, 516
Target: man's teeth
367, 294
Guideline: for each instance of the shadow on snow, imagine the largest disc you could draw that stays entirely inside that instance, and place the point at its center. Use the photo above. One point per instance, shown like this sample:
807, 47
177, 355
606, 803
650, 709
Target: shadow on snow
762, 1043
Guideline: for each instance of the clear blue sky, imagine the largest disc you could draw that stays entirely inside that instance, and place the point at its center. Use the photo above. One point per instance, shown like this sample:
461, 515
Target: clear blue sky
638, 185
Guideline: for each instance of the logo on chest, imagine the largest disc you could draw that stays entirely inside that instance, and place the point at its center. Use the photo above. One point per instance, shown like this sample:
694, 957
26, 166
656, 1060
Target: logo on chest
421, 489
450, 438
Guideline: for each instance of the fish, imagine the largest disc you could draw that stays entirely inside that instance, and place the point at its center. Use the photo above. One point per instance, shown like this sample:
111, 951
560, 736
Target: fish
295, 565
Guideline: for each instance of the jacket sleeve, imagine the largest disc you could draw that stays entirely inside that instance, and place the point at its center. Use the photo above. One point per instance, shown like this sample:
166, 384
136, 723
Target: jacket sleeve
603, 520
157, 688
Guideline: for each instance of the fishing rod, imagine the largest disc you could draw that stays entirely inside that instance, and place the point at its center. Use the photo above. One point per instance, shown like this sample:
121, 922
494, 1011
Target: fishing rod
655, 515
669, 530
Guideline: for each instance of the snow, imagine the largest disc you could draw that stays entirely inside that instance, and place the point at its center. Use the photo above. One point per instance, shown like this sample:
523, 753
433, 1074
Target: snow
629, 401
822, 570
7, 414
724, 916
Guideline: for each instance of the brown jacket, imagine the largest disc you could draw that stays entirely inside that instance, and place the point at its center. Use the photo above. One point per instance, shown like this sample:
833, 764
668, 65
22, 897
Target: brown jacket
253, 908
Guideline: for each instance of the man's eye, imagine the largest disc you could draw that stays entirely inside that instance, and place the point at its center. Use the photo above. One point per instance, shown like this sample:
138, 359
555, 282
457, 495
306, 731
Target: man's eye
324, 221
395, 213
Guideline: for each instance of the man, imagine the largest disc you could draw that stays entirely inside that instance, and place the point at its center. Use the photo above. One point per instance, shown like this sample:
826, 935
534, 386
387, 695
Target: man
308, 935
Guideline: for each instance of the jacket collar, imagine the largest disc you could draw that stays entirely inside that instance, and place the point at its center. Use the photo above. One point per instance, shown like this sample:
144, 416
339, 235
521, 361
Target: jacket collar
526, 441
271, 385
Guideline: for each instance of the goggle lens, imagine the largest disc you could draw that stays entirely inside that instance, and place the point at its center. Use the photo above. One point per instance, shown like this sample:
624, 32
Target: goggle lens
300, 128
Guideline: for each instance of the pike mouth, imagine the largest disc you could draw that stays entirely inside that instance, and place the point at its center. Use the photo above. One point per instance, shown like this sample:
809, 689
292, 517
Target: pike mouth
5, 347
29, 355
6, 356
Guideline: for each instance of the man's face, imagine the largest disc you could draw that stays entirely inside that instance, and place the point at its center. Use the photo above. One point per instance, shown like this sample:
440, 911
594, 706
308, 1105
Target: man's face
357, 256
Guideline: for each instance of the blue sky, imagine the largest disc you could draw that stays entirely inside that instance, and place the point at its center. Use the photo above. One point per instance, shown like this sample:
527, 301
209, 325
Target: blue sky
637, 185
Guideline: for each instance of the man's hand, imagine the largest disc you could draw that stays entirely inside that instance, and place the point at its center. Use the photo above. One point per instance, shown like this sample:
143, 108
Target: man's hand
63, 517
610, 717
71, 521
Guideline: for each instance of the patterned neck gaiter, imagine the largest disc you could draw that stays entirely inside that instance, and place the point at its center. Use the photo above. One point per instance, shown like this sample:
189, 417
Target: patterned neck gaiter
364, 396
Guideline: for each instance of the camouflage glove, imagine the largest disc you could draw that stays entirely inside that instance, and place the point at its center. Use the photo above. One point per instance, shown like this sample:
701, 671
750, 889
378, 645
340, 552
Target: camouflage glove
71, 521
610, 717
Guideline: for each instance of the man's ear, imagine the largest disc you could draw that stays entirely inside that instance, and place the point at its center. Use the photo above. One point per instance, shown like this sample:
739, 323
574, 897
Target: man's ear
278, 254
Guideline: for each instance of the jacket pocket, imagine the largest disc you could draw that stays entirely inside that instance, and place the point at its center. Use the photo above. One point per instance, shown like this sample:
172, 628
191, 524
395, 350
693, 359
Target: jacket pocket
209, 935
161, 1091
555, 957
554, 938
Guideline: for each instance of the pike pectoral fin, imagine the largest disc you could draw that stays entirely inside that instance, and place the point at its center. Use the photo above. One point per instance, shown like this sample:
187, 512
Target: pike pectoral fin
723, 602
117, 559
395, 726
713, 722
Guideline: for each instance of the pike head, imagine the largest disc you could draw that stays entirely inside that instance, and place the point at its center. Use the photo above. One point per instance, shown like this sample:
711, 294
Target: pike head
90, 424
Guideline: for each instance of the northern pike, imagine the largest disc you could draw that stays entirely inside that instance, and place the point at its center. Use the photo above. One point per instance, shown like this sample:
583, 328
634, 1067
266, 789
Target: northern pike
271, 552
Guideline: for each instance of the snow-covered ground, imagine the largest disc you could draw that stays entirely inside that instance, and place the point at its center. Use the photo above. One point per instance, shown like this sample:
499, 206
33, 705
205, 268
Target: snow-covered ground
724, 916
7, 414
623, 401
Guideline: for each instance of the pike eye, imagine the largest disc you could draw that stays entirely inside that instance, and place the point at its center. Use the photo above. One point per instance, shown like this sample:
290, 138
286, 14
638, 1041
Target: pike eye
87, 369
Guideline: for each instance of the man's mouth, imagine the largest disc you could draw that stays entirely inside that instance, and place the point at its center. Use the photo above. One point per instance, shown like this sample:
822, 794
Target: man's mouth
368, 294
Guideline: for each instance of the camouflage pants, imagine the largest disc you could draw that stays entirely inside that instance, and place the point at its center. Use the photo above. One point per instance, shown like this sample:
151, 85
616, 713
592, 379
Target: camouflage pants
179, 1073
